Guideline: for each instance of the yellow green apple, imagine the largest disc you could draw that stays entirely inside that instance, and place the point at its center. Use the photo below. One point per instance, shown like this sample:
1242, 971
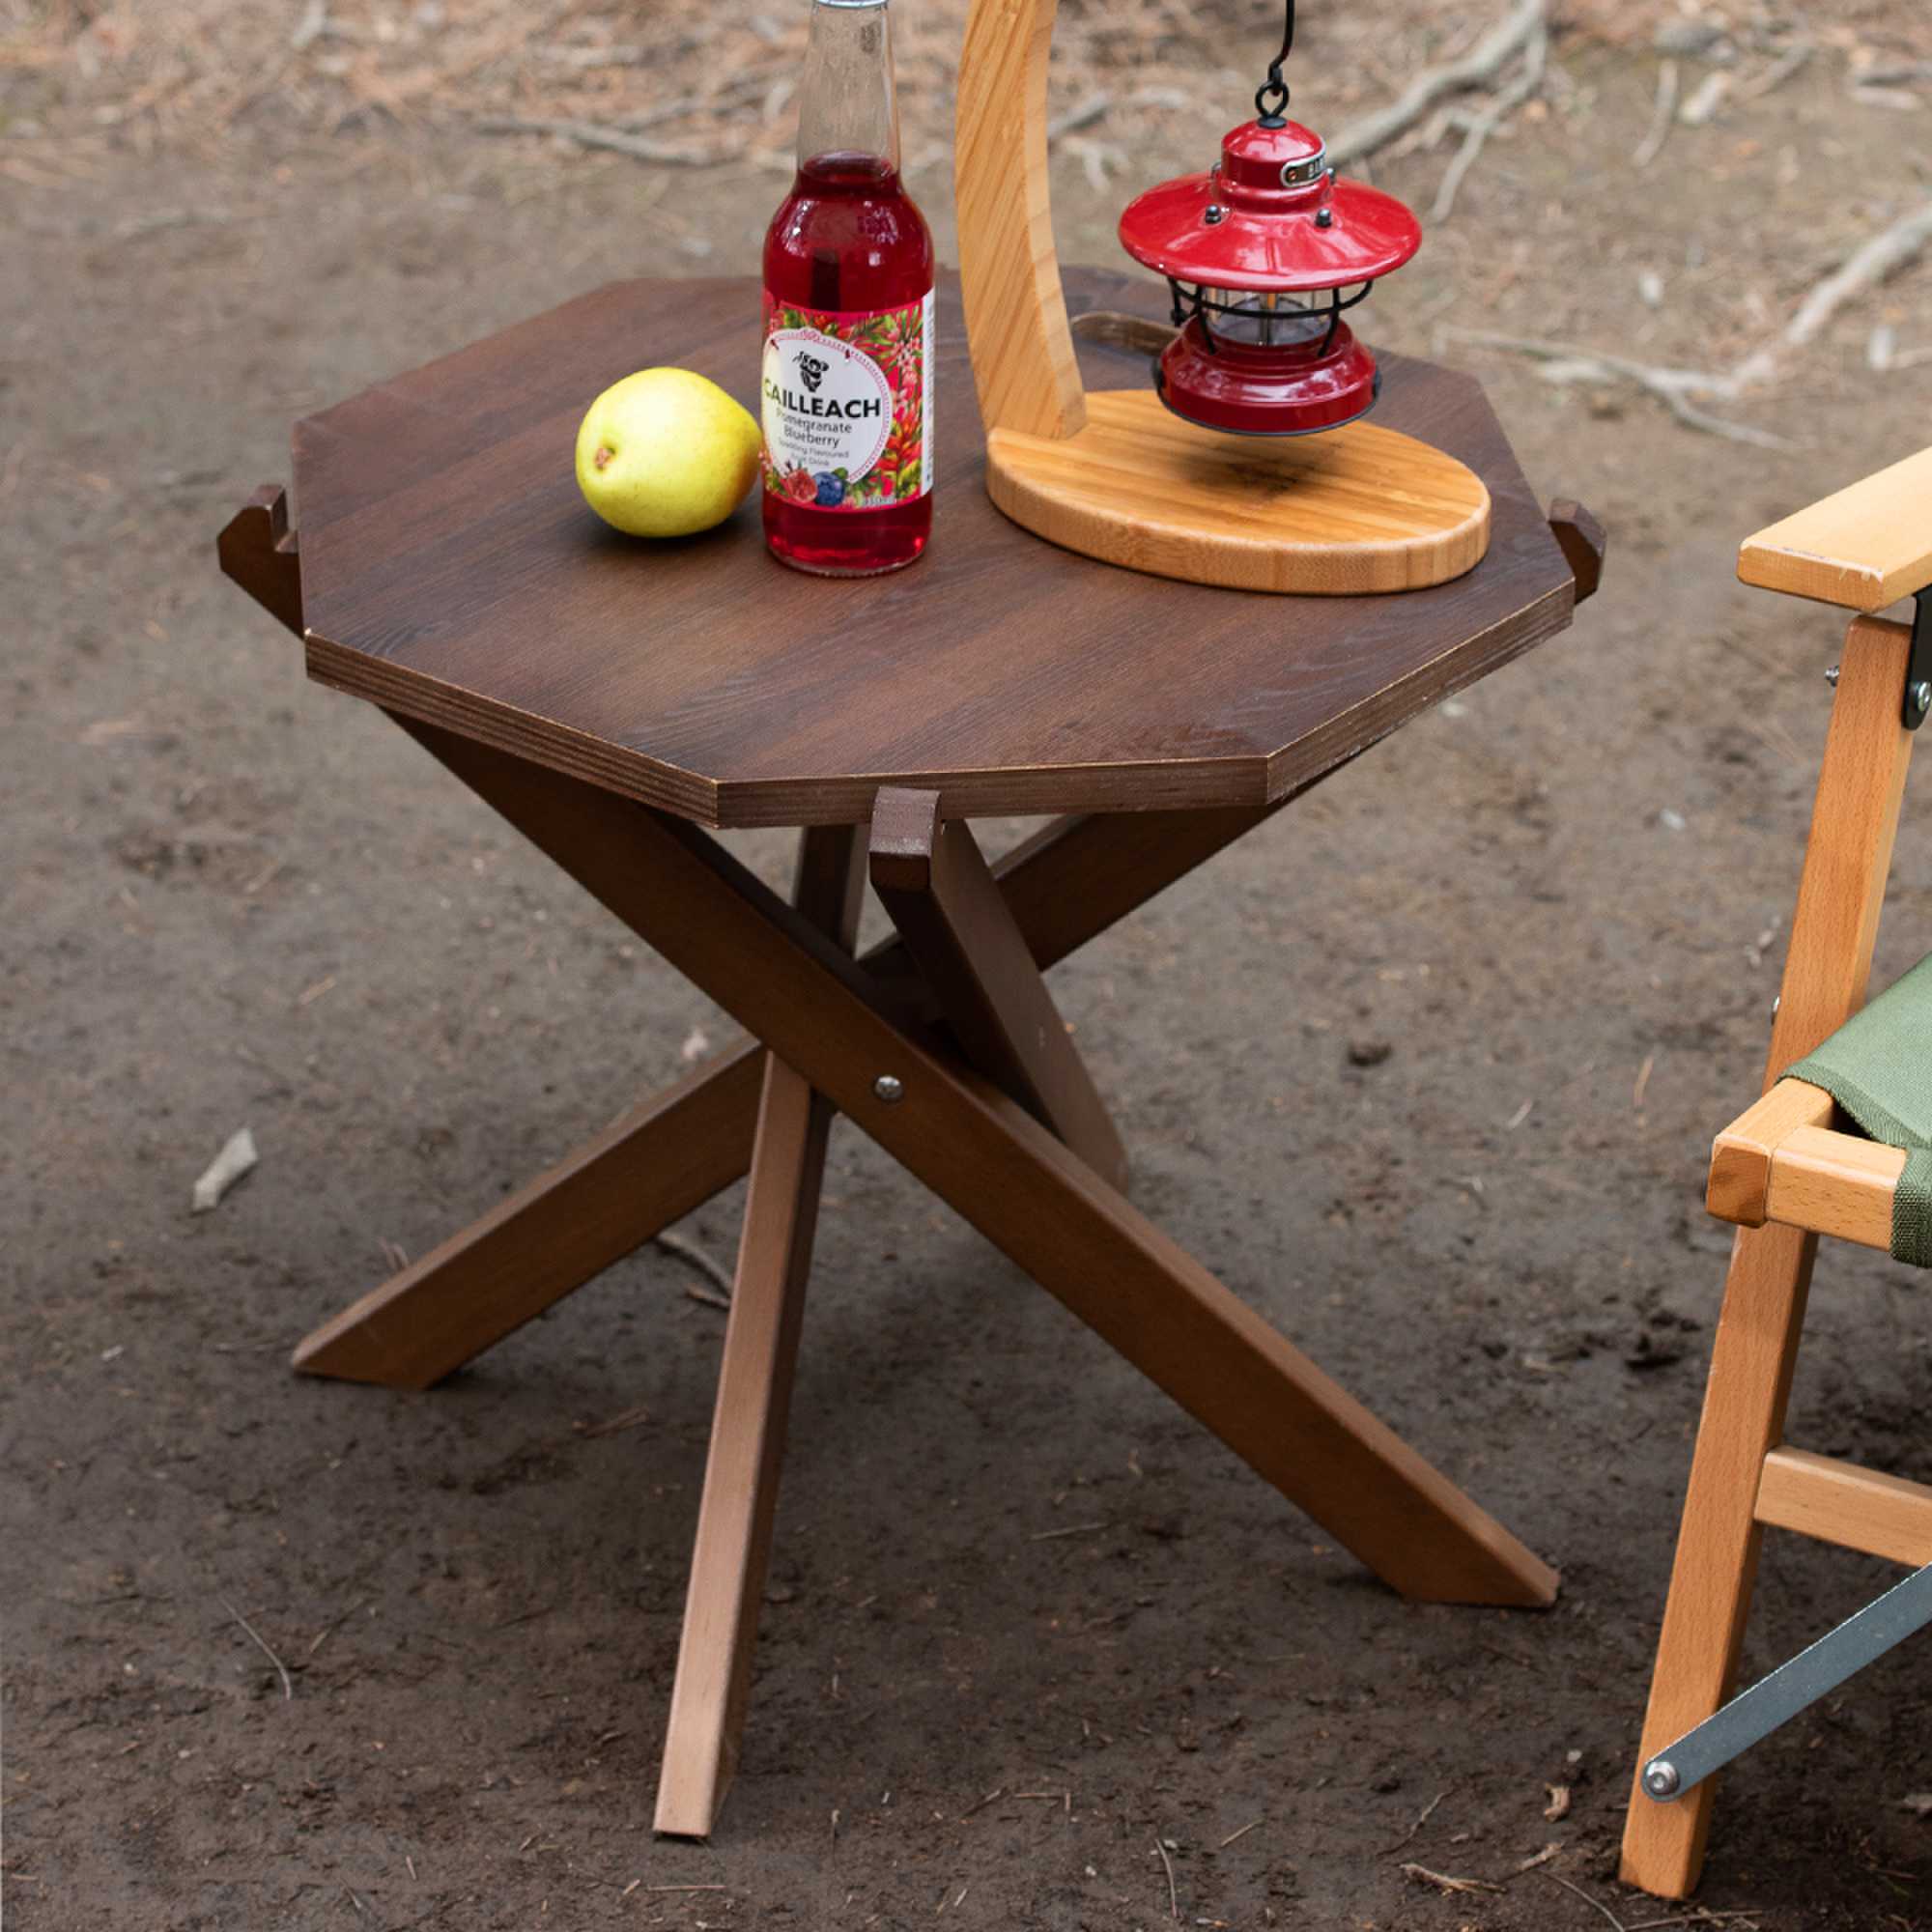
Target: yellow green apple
665, 453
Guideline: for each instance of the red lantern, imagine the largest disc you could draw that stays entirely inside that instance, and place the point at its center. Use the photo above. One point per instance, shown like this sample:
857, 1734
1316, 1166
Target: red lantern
1263, 254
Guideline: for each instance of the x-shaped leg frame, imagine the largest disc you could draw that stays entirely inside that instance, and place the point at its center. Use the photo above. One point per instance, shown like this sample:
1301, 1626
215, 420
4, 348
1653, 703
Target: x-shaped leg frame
944, 1045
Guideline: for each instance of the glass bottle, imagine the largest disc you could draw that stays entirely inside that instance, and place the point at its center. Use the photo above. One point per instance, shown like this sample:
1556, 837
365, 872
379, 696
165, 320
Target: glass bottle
847, 377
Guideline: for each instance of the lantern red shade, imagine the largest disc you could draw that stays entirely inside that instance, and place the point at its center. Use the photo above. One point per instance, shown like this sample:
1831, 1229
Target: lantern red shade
1263, 254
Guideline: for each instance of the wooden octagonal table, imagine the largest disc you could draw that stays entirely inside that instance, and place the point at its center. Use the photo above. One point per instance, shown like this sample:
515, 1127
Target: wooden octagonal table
610, 698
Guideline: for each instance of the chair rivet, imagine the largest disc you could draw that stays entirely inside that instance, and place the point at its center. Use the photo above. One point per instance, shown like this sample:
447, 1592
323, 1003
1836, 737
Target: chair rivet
889, 1088
1660, 1778
1921, 697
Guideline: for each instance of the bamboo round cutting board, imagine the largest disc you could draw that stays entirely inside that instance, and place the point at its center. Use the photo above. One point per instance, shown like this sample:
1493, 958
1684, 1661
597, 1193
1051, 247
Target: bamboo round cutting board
1352, 512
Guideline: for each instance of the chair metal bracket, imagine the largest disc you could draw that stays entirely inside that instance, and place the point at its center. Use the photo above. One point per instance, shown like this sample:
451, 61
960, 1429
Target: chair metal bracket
1919, 672
1754, 1714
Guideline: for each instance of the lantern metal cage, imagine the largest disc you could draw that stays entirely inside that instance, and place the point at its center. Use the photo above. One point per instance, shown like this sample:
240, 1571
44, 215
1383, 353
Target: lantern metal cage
1264, 318
1265, 362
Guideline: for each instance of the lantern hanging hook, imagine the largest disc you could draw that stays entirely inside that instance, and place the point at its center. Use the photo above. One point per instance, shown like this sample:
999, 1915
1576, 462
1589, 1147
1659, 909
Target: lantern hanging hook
1271, 95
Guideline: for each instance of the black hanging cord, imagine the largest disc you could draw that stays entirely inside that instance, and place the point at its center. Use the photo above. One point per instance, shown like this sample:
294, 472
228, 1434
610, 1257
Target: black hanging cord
1271, 95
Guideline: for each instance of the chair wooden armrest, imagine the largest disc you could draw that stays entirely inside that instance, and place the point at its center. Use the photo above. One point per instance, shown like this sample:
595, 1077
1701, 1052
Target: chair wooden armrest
1781, 1160
1863, 549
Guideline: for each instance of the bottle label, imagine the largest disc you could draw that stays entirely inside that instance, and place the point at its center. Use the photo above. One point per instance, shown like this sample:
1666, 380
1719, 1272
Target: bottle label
848, 403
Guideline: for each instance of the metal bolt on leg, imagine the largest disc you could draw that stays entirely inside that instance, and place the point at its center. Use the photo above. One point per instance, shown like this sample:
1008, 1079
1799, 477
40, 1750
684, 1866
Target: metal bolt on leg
1660, 1778
889, 1088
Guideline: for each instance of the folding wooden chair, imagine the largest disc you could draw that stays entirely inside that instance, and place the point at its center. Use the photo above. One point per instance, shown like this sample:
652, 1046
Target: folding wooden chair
1786, 1171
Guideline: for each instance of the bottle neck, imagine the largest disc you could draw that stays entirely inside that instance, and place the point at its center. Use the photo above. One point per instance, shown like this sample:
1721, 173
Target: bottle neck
846, 104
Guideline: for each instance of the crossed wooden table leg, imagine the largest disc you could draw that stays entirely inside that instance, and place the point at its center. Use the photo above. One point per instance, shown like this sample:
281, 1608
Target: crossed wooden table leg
945, 1047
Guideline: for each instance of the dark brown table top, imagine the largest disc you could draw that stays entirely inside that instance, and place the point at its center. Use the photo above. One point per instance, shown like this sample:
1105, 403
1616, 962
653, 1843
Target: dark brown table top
452, 571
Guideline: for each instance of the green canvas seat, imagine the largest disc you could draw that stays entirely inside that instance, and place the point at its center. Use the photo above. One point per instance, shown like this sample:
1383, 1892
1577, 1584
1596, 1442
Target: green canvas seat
1878, 1067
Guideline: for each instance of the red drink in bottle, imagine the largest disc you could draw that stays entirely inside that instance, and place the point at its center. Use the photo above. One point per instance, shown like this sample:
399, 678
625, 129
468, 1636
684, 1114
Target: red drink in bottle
847, 377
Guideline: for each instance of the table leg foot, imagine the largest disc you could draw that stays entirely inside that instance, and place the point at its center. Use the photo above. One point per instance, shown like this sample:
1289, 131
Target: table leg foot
741, 1477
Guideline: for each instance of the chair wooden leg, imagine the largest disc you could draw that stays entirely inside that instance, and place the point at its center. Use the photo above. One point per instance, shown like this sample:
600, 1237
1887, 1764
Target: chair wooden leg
1853, 822
1704, 1617
748, 1431
819, 1010
649, 1169
971, 952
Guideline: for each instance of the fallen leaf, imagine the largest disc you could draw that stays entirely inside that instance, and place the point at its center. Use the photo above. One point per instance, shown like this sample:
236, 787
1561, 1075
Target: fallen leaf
1559, 1803
237, 1156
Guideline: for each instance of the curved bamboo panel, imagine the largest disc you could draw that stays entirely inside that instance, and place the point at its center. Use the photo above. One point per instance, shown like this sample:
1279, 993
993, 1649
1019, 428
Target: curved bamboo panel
1016, 314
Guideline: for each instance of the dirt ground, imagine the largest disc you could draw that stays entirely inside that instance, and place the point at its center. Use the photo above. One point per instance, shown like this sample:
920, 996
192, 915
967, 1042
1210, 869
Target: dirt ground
1549, 918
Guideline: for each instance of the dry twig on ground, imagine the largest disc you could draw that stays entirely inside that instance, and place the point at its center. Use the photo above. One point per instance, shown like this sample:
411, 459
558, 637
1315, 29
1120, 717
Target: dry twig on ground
1478, 128
1173, 1897
1595, 1904
1565, 363
1445, 1880
1480, 66
595, 134
693, 1256
1662, 117
255, 1636
1427, 1813
1890, 251
1711, 95
1777, 73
